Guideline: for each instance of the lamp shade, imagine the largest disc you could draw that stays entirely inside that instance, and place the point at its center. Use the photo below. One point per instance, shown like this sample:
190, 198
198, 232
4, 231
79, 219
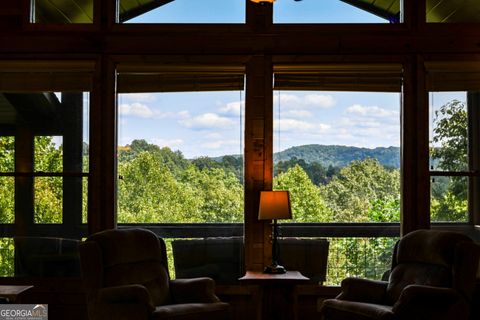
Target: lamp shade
274, 205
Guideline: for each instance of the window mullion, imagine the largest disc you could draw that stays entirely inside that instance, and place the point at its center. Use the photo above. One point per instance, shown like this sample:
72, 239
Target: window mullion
473, 104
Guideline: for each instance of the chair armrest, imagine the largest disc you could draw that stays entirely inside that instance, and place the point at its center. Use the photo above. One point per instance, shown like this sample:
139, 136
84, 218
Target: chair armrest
363, 290
193, 290
431, 303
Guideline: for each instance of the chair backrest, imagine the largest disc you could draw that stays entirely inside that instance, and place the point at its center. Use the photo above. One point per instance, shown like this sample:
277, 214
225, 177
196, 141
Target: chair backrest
222, 258
433, 258
218, 258
127, 256
309, 256
46, 257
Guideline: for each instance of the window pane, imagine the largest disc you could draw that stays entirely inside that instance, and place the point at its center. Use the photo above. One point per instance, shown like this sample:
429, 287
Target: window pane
46, 257
48, 154
62, 11
359, 257
7, 154
452, 11
180, 157
85, 200
449, 199
6, 257
448, 131
48, 202
338, 153
182, 11
334, 11
7, 198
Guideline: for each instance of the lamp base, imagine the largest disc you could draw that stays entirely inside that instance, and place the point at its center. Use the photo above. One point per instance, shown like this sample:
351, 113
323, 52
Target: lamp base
275, 269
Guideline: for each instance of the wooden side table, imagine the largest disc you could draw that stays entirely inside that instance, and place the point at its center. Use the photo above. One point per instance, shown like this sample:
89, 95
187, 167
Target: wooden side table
277, 298
12, 292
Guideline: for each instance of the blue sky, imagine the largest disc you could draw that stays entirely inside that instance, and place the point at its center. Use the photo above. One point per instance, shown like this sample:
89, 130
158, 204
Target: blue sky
211, 123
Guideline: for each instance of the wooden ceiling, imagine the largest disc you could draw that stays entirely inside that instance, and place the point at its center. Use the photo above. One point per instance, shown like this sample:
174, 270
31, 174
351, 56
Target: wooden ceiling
81, 11
453, 11
387, 9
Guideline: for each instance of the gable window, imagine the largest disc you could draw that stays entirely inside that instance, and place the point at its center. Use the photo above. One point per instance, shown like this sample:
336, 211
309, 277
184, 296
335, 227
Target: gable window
181, 11
336, 11
452, 11
61, 11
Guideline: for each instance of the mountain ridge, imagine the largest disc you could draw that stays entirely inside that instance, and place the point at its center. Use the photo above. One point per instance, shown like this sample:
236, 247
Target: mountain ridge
336, 155
340, 156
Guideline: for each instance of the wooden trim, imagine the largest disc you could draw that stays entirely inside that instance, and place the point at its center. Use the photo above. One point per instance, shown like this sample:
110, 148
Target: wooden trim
258, 156
473, 104
415, 200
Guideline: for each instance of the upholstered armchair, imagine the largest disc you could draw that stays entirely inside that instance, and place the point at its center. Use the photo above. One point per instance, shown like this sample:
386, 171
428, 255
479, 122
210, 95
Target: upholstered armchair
432, 277
125, 274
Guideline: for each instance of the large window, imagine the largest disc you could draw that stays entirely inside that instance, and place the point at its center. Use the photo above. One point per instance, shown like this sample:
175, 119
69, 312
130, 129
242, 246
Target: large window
180, 165
180, 157
44, 167
337, 150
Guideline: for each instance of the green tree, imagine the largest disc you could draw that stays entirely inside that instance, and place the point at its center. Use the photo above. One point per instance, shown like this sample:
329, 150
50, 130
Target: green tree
7, 164
48, 190
449, 151
351, 194
315, 171
149, 193
306, 200
218, 192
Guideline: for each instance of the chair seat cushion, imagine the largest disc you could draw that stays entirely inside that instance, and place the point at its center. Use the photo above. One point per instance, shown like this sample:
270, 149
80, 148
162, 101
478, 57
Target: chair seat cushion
187, 311
351, 310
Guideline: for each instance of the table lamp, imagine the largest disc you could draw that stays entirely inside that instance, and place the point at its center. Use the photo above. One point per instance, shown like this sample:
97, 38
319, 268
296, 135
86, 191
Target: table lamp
274, 205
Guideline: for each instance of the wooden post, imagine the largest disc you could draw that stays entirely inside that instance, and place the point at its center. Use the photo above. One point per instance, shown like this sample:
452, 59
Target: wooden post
258, 159
415, 180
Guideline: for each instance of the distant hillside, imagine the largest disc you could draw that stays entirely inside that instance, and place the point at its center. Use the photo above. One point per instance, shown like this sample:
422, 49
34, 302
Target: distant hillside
340, 156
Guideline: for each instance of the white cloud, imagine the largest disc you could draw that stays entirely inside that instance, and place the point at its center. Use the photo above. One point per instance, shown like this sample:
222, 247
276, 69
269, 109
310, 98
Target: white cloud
220, 144
207, 121
233, 108
140, 97
369, 126
136, 109
140, 110
292, 101
319, 100
172, 143
213, 135
300, 126
297, 114
183, 114
372, 111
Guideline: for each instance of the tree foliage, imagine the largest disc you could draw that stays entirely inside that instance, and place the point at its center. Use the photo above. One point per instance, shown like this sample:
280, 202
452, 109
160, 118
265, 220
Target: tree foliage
306, 200
353, 192
316, 172
450, 152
